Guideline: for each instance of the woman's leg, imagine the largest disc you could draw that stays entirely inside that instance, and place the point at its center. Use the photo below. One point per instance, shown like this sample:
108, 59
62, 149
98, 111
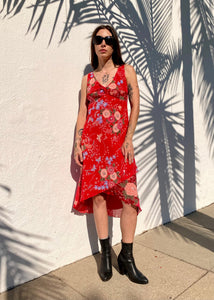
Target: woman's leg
101, 221
128, 221
126, 260
100, 216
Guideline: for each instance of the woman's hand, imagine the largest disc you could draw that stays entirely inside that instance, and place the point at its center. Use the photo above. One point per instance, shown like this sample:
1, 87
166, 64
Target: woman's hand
78, 155
128, 150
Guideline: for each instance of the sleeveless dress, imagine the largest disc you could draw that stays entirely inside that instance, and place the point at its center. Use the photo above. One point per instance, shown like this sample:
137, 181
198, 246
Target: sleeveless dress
104, 169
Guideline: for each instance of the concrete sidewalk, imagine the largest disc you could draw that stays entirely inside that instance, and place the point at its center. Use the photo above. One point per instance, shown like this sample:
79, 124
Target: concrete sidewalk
178, 259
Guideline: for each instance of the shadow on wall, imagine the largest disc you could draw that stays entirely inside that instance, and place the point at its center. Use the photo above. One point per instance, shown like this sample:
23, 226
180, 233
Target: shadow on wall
20, 260
165, 134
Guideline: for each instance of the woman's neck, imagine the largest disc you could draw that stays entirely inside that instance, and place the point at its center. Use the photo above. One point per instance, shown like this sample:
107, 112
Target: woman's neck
105, 65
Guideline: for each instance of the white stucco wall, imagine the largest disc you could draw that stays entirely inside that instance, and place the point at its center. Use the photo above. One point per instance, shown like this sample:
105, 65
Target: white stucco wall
39, 90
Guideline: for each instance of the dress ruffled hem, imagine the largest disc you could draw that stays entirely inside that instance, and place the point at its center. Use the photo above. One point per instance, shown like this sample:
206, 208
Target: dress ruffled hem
125, 191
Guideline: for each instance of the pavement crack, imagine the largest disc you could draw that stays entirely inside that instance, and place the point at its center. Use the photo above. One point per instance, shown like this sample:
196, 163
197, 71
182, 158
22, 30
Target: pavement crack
202, 276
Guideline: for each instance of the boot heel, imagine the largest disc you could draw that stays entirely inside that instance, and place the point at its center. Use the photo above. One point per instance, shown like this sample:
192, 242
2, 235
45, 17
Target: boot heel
122, 269
127, 265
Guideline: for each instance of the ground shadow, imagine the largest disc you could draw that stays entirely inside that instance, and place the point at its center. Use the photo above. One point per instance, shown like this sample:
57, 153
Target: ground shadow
43, 288
197, 227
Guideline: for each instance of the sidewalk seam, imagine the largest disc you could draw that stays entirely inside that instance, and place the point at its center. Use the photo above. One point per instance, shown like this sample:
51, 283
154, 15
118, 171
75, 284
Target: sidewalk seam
174, 257
191, 285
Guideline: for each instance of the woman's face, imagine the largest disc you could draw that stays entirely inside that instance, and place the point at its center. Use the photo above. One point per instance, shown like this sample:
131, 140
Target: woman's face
103, 50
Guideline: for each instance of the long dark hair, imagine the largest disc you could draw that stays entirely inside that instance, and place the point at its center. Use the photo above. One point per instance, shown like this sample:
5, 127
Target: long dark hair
116, 55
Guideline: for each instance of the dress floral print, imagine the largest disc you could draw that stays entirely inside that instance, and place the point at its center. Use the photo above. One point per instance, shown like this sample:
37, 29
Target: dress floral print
104, 168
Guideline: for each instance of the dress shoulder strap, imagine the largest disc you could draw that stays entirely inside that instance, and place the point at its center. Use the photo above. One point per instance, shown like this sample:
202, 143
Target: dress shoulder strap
122, 77
121, 71
90, 76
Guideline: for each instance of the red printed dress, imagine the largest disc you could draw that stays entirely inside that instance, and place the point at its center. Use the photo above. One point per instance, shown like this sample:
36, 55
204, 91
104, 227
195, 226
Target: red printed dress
104, 170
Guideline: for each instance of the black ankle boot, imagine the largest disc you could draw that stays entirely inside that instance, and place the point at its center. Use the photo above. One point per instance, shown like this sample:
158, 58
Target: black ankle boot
127, 265
105, 271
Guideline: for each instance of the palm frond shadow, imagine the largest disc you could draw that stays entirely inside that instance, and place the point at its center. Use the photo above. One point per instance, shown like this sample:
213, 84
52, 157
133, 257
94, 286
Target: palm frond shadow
12, 7
157, 134
164, 161
20, 259
203, 54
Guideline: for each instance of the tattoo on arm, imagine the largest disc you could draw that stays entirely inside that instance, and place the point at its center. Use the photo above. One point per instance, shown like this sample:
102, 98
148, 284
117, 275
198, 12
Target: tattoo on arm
130, 88
80, 132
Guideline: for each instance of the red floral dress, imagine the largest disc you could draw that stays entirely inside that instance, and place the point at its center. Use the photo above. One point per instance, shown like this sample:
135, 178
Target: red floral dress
104, 170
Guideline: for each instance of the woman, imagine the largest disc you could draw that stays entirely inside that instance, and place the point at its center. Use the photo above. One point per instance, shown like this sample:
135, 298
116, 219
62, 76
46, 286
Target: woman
104, 149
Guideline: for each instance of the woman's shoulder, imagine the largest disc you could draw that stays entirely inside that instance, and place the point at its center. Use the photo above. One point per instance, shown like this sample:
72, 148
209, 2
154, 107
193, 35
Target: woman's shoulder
129, 69
84, 81
87, 76
129, 72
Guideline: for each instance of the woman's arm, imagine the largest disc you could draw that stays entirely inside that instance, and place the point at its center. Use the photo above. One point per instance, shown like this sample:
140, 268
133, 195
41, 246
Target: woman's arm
134, 99
80, 123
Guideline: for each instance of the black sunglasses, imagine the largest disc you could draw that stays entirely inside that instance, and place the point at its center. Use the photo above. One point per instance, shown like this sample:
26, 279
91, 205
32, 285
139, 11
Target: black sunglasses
109, 40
